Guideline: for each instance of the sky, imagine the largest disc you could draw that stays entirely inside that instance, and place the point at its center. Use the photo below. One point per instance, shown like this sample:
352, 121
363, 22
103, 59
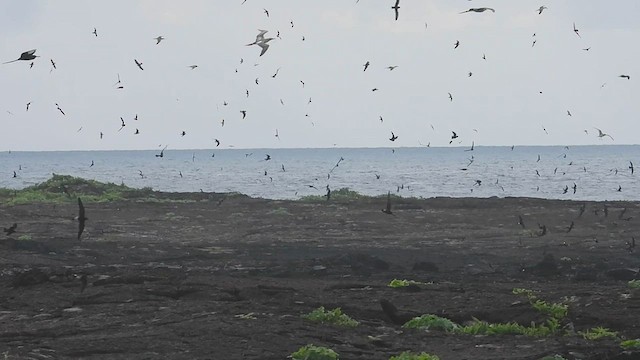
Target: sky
518, 94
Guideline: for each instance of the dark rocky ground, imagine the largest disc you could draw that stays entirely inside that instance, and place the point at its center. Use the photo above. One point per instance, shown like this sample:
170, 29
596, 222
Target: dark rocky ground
197, 278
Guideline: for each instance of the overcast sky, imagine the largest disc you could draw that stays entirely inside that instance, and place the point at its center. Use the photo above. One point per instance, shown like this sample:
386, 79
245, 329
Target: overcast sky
512, 97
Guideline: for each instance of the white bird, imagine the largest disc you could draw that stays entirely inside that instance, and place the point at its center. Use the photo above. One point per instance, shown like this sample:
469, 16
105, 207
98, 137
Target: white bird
601, 134
259, 38
158, 39
541, 8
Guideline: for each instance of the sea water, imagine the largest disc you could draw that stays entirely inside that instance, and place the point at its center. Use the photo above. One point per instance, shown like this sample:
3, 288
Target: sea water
598, 172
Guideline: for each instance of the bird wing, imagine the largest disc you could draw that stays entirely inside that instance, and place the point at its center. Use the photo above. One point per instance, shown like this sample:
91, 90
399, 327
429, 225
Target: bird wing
81, 218
30, 52
264, 47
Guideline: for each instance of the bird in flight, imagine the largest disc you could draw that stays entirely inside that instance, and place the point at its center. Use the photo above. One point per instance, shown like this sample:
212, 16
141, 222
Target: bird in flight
387, 209
482, 9
162, 152
391, 68
11, 229
217, 142
95, 32
28, 104
450, 97
601, 134
472, 145
366, 65
123, 124
541, 8
261, 41
266, 12
27, 55
396, 7
456, 44
193, 66
62, 112
631, 167
625, 76
393, 137
453, 136
138, 63
81, 218
53, 64
158, 39
575, 30
244, 113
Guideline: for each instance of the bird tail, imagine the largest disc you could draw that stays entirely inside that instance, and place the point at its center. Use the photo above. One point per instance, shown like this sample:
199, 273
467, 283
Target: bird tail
10, 61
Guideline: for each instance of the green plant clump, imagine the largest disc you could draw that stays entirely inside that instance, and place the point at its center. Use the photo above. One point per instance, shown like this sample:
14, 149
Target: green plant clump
407, 355
634, 284
630, 344
598, 333
431, 322
334, 317
395, 283
555, 310
312, 352
554, 357
478, 327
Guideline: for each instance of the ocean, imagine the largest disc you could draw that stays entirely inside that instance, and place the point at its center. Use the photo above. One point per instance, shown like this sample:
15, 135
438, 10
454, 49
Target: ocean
599, 172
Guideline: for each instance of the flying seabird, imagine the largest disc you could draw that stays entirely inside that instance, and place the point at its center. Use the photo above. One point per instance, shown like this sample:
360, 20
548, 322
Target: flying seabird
541, 8
387, 209
158, 39
366, 65
625, 76
11, 229
138, 63
482, 9
62, 112
601, 134
244, 113
27, 55
393, 137
81, 218
576, 30
95, 32
193, 66
456, 44
453, 136
396, 7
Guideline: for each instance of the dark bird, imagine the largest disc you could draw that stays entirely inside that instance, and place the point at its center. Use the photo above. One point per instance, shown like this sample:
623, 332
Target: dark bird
183, 133
393, 137
138, 63
396, 7
14, 174
366, 65
453, 136
619, 188
53, 64
456, 44
541, 8
162, 152
570, 227
450, 97
28, 104
276, 73
575, 30
137, 132
479, 10
81, 218
631, 167
266, 12
95, 32
267, 157
625, 76
123, 124
11, 229
575, 187
521, 222
217, 142
472, 145
158, 39
244, 113
566, 189
92, 163
387, 210
569, 113
27, 55
58, 106
101, 134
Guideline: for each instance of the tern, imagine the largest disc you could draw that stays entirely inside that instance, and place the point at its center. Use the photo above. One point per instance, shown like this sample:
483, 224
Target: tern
540, 9
193, 66
575, 30
95, 32
138, 63
396, 7
81, 218
393, 137
625, 76
366, 65
387, 209
391, 68
158, 39
482, 9
601, 134
27, 55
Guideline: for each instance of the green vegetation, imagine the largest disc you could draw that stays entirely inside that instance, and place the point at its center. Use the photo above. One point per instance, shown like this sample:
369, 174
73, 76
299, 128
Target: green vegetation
555, 310
24, 237
598, 333
431, 322
478, 327
395, 283
312, 352
634, 284
334, 317
407, 355
630, 344
66, 188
